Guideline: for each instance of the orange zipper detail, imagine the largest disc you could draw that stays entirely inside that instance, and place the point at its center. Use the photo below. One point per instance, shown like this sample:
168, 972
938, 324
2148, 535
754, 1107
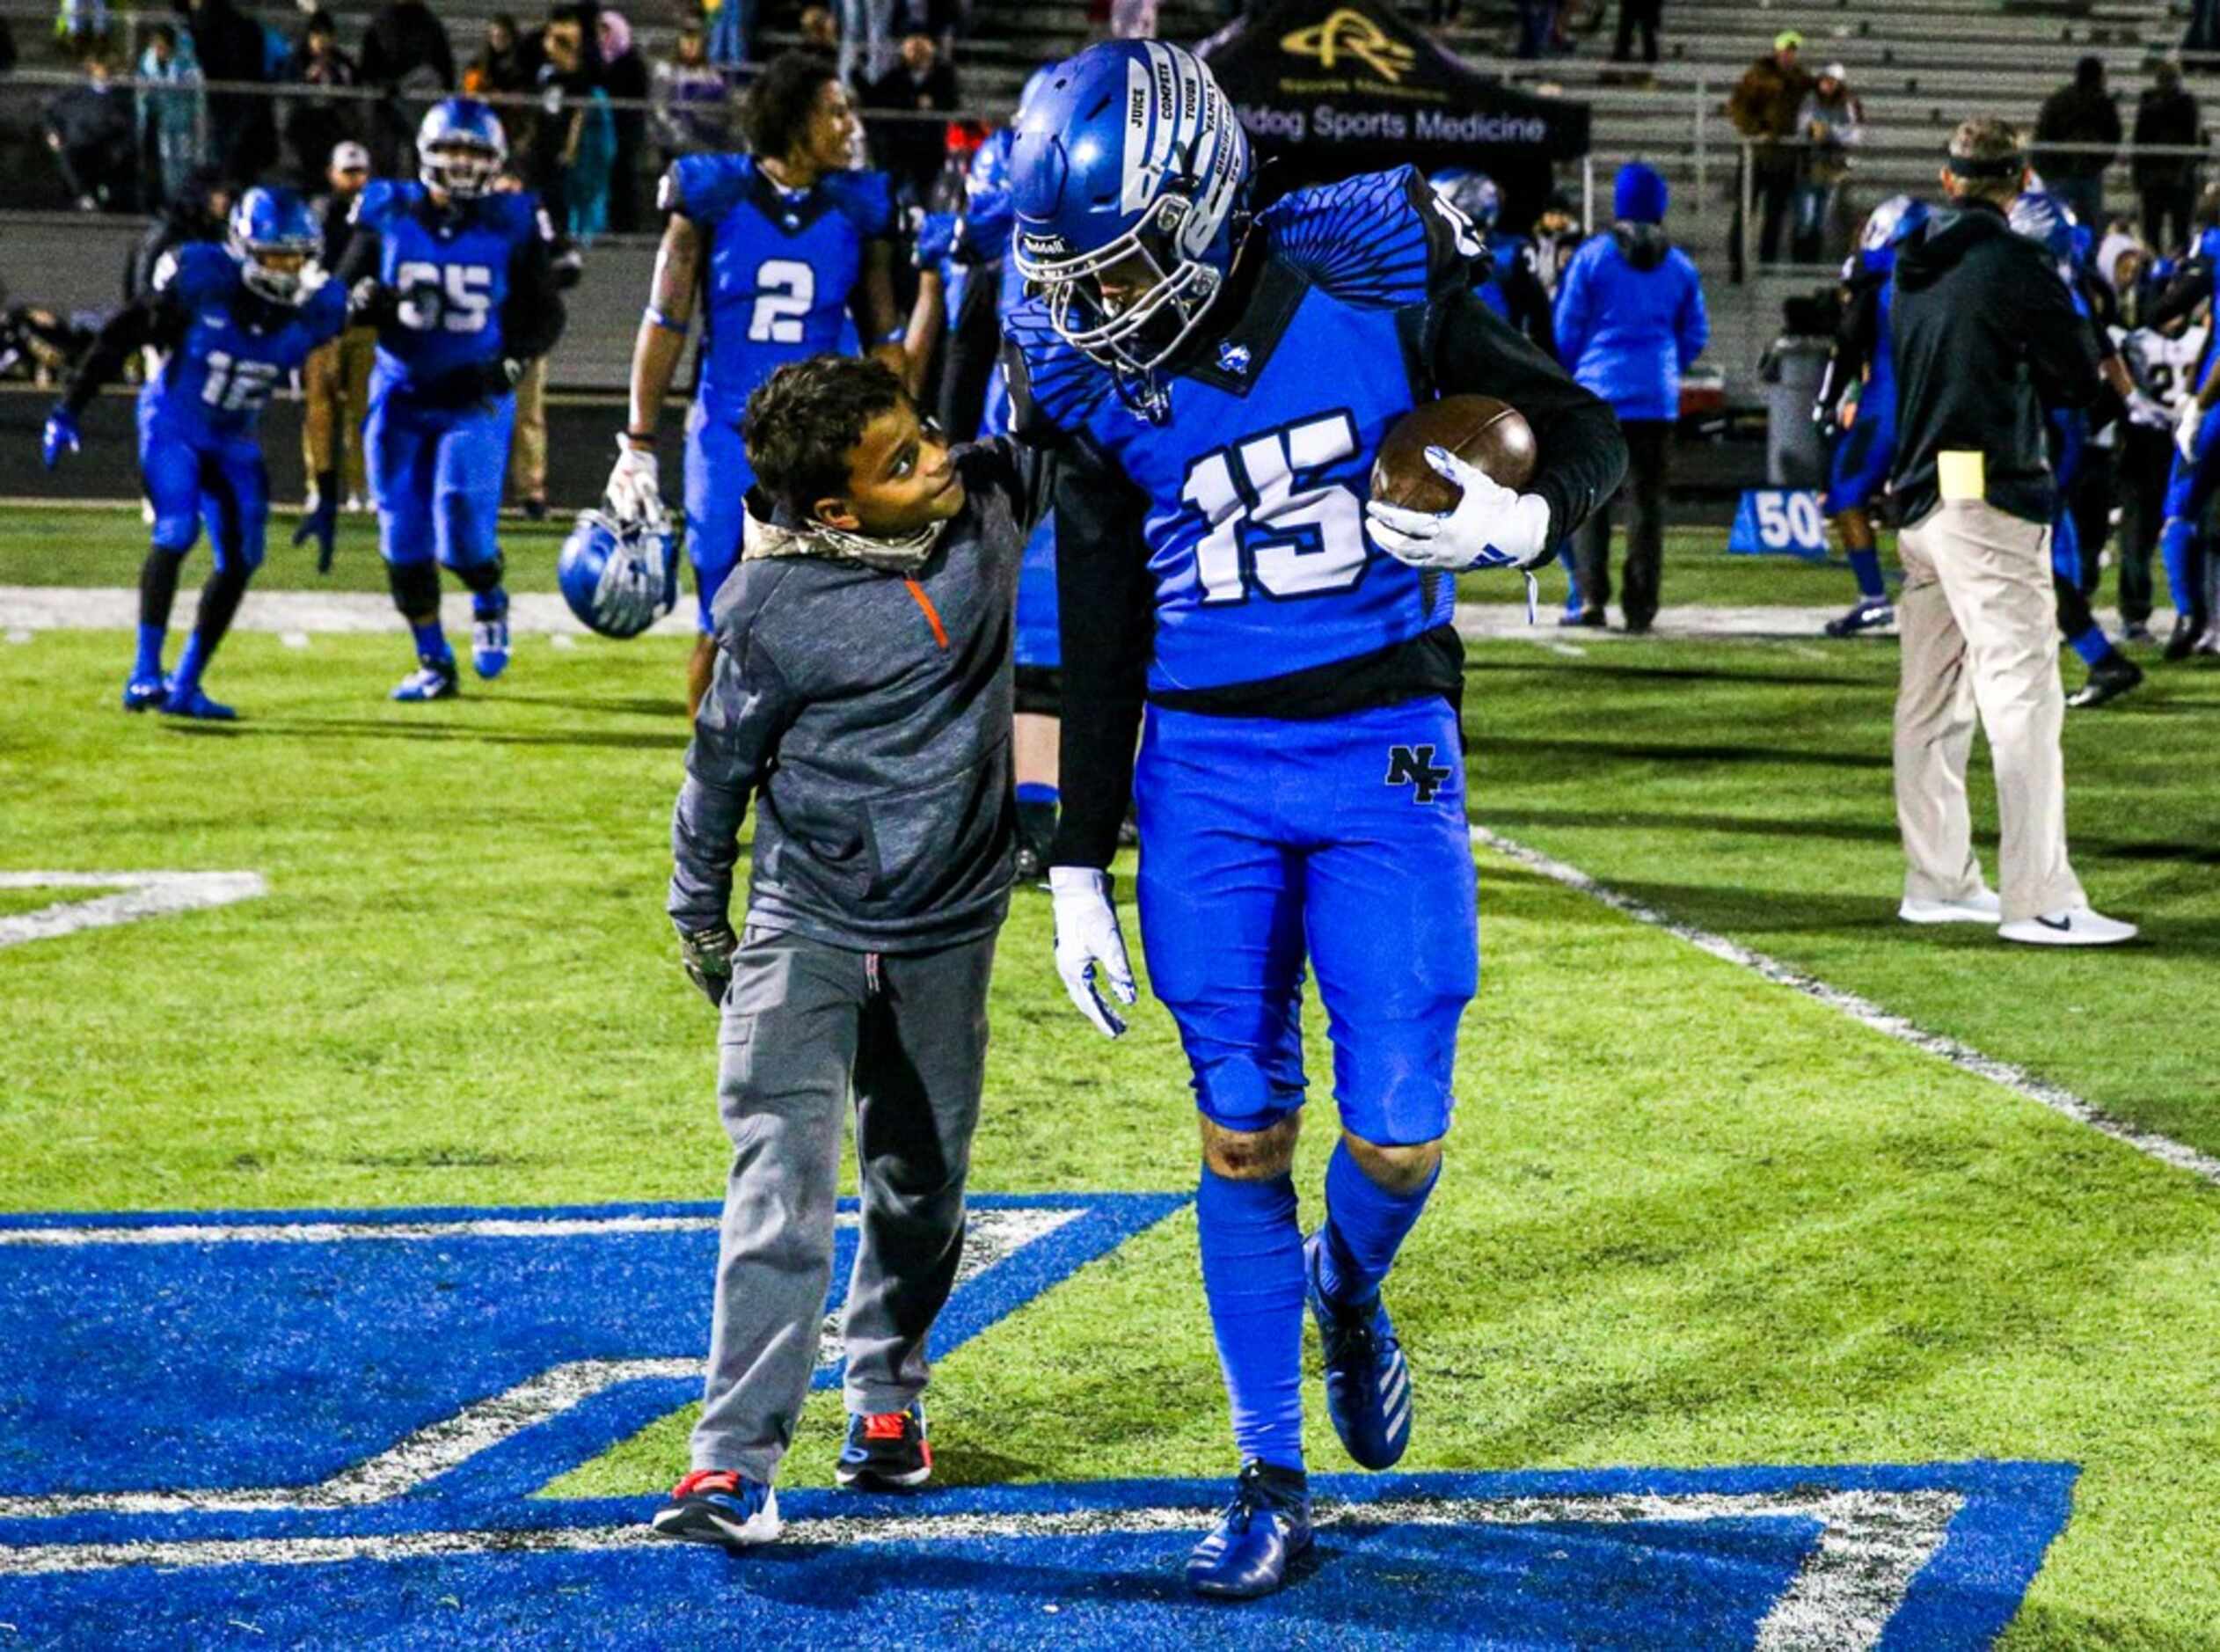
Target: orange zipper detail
932, 615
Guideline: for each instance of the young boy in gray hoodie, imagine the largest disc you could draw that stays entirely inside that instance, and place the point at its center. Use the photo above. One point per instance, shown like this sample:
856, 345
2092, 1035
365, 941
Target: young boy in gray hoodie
862, 696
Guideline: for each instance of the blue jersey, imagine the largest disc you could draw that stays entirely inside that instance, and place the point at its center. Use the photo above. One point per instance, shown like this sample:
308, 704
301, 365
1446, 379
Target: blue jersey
236, 348
780, 266
451, 272
1256, 477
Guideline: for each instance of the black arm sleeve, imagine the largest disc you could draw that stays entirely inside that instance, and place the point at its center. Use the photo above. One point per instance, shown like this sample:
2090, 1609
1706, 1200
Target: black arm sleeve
532, 315
2189, 288
1856, 336
1106, 620
1583, 456
153, 319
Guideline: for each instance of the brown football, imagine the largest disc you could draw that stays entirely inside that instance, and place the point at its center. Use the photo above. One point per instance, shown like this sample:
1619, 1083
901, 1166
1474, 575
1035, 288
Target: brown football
1478, 429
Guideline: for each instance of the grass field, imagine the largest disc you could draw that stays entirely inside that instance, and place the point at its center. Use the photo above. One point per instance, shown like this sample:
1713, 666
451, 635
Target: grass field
1690, 1218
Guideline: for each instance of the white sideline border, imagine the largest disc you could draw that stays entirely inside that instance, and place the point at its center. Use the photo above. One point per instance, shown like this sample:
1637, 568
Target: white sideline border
2178, 1155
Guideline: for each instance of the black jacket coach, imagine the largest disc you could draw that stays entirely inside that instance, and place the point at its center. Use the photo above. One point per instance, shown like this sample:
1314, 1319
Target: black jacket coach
1984, 338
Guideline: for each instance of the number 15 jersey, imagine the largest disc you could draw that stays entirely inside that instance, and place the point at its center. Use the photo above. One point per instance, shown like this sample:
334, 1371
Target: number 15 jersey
778, 267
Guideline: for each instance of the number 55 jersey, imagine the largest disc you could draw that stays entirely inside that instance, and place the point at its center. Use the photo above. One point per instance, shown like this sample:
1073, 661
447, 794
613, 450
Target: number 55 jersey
779, 268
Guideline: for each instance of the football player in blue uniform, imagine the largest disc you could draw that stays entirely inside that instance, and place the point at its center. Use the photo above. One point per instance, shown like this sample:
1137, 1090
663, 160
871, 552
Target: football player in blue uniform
1216, 384
232, 321
458, 278
1856, 407
2193, 572
778, 246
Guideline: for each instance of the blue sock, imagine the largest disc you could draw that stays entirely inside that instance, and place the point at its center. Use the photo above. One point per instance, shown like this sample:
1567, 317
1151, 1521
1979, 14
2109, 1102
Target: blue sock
1252, 1279
2177, 546
150, 641
1365, 1225
431, 641
191, 663
1865, 567
1572, 577
2091, 644
1033, 792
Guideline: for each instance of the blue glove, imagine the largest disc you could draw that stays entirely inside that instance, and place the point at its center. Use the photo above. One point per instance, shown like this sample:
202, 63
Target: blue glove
936, 239
59, 438
321, 524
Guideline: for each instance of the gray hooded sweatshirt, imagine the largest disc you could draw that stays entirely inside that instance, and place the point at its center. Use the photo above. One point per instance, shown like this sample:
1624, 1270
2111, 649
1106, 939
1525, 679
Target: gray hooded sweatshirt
868, 712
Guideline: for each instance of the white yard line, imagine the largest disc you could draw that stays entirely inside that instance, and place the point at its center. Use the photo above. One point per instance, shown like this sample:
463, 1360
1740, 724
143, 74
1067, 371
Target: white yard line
1873, 1544
30, 609
139, 895
2020, 1082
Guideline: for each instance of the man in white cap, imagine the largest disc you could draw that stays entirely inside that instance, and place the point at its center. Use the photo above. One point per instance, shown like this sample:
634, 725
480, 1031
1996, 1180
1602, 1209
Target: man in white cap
335, 382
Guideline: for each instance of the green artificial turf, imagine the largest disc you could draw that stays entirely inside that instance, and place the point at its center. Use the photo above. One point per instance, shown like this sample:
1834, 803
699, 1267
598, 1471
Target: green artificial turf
1690, 1217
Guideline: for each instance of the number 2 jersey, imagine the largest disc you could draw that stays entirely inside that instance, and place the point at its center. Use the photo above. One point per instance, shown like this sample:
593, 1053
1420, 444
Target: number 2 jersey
472, 282
1241, 580
778, 266
225, 348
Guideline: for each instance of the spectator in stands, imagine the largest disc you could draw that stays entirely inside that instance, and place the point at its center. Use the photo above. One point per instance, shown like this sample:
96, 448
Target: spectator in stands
577, 140
173, 136
316, 126
1630, 320
625, 77
2080, 114
1833, 122
335, 380
1763, 107
82, 27
1632, 15
693, 104
231, 45
506, 72
407, 55
924, 82
730, 37
1133, 19
2166, 114
200, 211
820, 32
528, 434
93, 132
866, 30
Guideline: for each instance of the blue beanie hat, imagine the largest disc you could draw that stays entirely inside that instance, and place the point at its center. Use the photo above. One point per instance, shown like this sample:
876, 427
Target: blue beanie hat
1639, 197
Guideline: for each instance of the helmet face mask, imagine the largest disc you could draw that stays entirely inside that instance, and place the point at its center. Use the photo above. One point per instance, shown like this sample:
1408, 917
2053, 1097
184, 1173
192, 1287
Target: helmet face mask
460, 149
275, 243
618, 578
1129, 172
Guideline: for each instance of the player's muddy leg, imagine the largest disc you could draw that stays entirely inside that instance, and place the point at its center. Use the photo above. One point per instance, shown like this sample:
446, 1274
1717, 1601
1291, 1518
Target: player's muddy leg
1253, 1277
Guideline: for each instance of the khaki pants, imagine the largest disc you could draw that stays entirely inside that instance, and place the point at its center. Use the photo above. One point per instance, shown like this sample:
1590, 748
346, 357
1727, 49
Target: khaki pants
335, 392
1979, 630
528, 439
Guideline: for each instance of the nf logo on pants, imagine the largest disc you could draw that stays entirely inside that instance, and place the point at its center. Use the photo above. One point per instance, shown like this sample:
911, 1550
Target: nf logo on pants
1413, 766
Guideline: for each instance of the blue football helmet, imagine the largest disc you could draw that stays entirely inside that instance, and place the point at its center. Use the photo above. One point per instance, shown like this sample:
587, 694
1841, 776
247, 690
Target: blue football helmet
460, 147
1472, 193
2042, 217
275, 238
1129, 156
618, 578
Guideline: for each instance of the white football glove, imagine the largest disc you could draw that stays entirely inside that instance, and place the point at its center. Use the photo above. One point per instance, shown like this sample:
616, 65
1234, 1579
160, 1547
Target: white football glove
2185, 428
635, 491
1491, 526
1089, 947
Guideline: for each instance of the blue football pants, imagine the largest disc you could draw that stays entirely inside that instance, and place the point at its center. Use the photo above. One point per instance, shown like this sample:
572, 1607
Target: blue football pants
1344, 840
718, 478
195, 477
437, 475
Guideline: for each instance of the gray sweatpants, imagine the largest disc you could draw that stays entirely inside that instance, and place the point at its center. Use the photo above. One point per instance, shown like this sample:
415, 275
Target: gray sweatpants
804, 1022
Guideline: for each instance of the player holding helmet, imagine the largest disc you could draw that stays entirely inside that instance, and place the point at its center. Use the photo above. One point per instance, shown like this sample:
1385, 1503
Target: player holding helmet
456, 276
232, 322
1218, 385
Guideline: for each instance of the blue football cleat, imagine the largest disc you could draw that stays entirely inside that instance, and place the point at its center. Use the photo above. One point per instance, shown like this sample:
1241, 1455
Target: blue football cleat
1368, 1381
195, 703
1263, 1529
432, 680
489, 645
885, 1451
1870, 613
716, 1505
146, 693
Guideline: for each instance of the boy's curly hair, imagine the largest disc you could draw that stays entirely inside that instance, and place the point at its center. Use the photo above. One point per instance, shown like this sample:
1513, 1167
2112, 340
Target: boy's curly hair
802, 420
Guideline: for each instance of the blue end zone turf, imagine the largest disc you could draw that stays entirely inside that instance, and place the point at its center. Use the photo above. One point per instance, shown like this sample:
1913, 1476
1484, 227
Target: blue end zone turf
326, 1428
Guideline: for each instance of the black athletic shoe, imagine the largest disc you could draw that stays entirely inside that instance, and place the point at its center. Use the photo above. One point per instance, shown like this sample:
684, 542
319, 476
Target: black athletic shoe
2181, 642
1591, 617
2109, 679
1036, 837
715, 1505
885, 1452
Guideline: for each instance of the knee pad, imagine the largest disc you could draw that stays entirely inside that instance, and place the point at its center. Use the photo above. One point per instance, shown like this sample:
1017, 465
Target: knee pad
416, 588
1039, 691
1242, 1092
484, 576
174, 532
